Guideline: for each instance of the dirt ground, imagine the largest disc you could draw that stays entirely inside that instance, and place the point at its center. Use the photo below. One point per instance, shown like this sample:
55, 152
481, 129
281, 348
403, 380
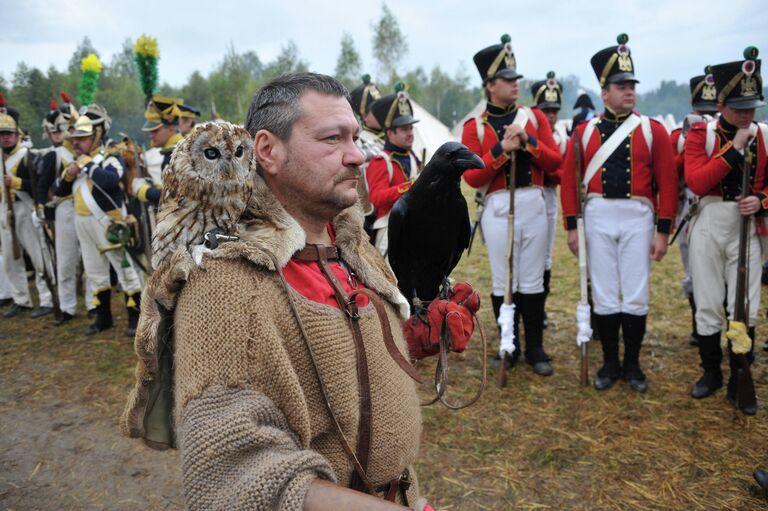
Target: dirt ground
59, 443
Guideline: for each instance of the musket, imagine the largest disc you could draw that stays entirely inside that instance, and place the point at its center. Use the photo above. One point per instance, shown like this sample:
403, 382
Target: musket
583, 287
9, 206
745, 389
47, 243
501, 372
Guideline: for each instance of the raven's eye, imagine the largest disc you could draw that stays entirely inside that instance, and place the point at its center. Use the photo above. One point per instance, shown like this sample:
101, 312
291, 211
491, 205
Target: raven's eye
212, 153
239, 151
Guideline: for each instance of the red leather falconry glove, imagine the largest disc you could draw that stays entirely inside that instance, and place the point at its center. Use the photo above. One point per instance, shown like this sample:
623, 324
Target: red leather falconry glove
422, 331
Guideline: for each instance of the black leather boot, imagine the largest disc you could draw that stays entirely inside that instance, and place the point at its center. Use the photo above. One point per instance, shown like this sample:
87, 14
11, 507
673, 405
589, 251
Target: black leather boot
608, 329
711, 357
633, 330
103, 313
693, 339
133, 306
733, 378
547, 278
532, 311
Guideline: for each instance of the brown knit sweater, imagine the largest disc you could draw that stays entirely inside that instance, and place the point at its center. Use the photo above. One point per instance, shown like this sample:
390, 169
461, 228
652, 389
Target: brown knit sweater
251, 424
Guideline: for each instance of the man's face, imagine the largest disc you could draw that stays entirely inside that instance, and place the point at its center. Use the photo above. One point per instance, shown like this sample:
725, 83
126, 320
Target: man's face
56, 137
161, 135
8, 139
319, 172
620, 97
82, 145
551, 115
402, 136
502, 91
186, 124
739, 118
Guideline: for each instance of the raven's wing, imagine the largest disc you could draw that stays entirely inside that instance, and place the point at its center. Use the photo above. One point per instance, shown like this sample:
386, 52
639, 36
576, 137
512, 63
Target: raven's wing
397, 222
462, 242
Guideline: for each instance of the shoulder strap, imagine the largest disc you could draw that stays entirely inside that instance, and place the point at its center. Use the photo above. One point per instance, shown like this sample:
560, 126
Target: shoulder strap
680, 143
587, 135
709, 143
609, 146
645, 125
531, 116
388, 162
764, 132
480, 128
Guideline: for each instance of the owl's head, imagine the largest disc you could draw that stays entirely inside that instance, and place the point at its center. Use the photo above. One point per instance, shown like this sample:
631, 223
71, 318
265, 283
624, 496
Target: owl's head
213, 154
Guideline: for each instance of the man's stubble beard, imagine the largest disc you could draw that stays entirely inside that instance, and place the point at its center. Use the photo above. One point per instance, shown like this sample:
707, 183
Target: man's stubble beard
327, 206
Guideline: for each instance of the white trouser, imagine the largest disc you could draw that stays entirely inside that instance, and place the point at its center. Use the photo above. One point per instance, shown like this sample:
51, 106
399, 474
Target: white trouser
550, 199
619, 235
530, 247
6, 290
91, 235
68, 258
29, 241
682, 239
714, 256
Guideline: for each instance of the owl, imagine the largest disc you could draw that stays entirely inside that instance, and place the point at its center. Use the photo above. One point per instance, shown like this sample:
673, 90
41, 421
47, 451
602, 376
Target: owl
207, 185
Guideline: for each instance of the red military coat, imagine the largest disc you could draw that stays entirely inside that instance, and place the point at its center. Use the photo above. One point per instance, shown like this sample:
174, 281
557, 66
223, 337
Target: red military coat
383, 192
711, 174
545, 154
651, 175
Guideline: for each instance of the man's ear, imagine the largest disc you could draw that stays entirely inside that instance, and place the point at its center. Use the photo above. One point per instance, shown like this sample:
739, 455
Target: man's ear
268, 150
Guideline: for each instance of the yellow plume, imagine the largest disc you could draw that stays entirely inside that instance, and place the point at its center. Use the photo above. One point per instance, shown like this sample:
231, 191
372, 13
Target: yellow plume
91, 63
146, 46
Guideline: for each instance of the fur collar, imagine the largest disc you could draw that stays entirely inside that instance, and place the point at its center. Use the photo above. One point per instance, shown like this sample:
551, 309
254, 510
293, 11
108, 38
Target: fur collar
267, 228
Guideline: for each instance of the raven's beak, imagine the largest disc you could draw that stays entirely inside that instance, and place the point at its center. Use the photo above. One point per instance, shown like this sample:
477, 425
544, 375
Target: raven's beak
466, 159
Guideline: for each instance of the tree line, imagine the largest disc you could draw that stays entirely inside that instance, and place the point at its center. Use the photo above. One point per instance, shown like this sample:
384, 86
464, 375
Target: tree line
231, 84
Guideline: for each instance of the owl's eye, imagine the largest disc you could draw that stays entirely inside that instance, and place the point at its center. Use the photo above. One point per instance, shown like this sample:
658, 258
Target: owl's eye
239, 151
212, 153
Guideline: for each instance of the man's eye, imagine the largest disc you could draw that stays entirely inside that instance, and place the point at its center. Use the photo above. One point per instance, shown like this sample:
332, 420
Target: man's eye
333, 138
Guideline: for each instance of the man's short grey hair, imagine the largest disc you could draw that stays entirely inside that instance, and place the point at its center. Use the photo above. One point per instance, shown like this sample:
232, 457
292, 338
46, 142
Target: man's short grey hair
275, 107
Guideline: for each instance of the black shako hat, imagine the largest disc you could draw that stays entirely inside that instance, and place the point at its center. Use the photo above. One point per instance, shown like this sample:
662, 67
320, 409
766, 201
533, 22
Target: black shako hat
614, 64
703, 92
548, 94
394, 110
739, 84
497, 61
363, 96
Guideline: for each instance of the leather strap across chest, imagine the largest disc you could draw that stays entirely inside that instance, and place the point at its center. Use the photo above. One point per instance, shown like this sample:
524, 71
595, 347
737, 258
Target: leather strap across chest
323, 254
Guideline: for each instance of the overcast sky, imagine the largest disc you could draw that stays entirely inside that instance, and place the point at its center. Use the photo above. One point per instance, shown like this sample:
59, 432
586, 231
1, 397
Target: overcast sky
669, 39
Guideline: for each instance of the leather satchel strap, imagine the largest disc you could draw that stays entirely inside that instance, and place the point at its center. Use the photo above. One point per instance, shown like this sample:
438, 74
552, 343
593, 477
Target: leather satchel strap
359, 470
314, 252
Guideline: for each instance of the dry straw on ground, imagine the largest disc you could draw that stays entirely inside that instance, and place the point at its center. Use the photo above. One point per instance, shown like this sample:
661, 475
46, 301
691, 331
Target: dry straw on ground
540, 443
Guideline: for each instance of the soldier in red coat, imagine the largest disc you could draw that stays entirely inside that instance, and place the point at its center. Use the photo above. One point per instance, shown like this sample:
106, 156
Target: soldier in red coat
391, 172
715, 155
502, 129
547, 96
629, 177
704, 103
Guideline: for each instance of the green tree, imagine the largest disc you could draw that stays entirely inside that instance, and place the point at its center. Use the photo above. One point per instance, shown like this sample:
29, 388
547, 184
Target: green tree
349, 63
389, 43
287, 61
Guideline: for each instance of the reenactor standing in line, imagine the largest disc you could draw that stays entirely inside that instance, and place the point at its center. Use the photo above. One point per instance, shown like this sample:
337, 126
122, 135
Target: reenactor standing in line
716, 155
629, 175
95, 179
392, 172
704, 103
547, 96
187, 118
16, 228
502, 129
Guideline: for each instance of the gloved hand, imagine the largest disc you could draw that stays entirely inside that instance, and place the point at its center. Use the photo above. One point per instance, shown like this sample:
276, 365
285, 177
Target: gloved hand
422, 330
136, 185
36, 221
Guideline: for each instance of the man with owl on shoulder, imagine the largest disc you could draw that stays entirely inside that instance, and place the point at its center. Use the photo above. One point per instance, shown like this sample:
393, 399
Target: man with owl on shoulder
292, 389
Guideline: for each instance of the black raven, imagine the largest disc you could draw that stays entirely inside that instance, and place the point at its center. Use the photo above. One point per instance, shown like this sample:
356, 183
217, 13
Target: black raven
429, 224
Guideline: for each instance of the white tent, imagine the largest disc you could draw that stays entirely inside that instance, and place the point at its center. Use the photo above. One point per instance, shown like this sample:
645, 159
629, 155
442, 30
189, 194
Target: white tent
429, 132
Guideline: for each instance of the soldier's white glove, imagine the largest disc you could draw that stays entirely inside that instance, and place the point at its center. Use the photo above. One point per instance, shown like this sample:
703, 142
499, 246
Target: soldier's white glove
137, 184
36, 220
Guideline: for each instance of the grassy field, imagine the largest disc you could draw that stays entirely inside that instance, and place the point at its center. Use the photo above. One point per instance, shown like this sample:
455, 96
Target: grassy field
540, 443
